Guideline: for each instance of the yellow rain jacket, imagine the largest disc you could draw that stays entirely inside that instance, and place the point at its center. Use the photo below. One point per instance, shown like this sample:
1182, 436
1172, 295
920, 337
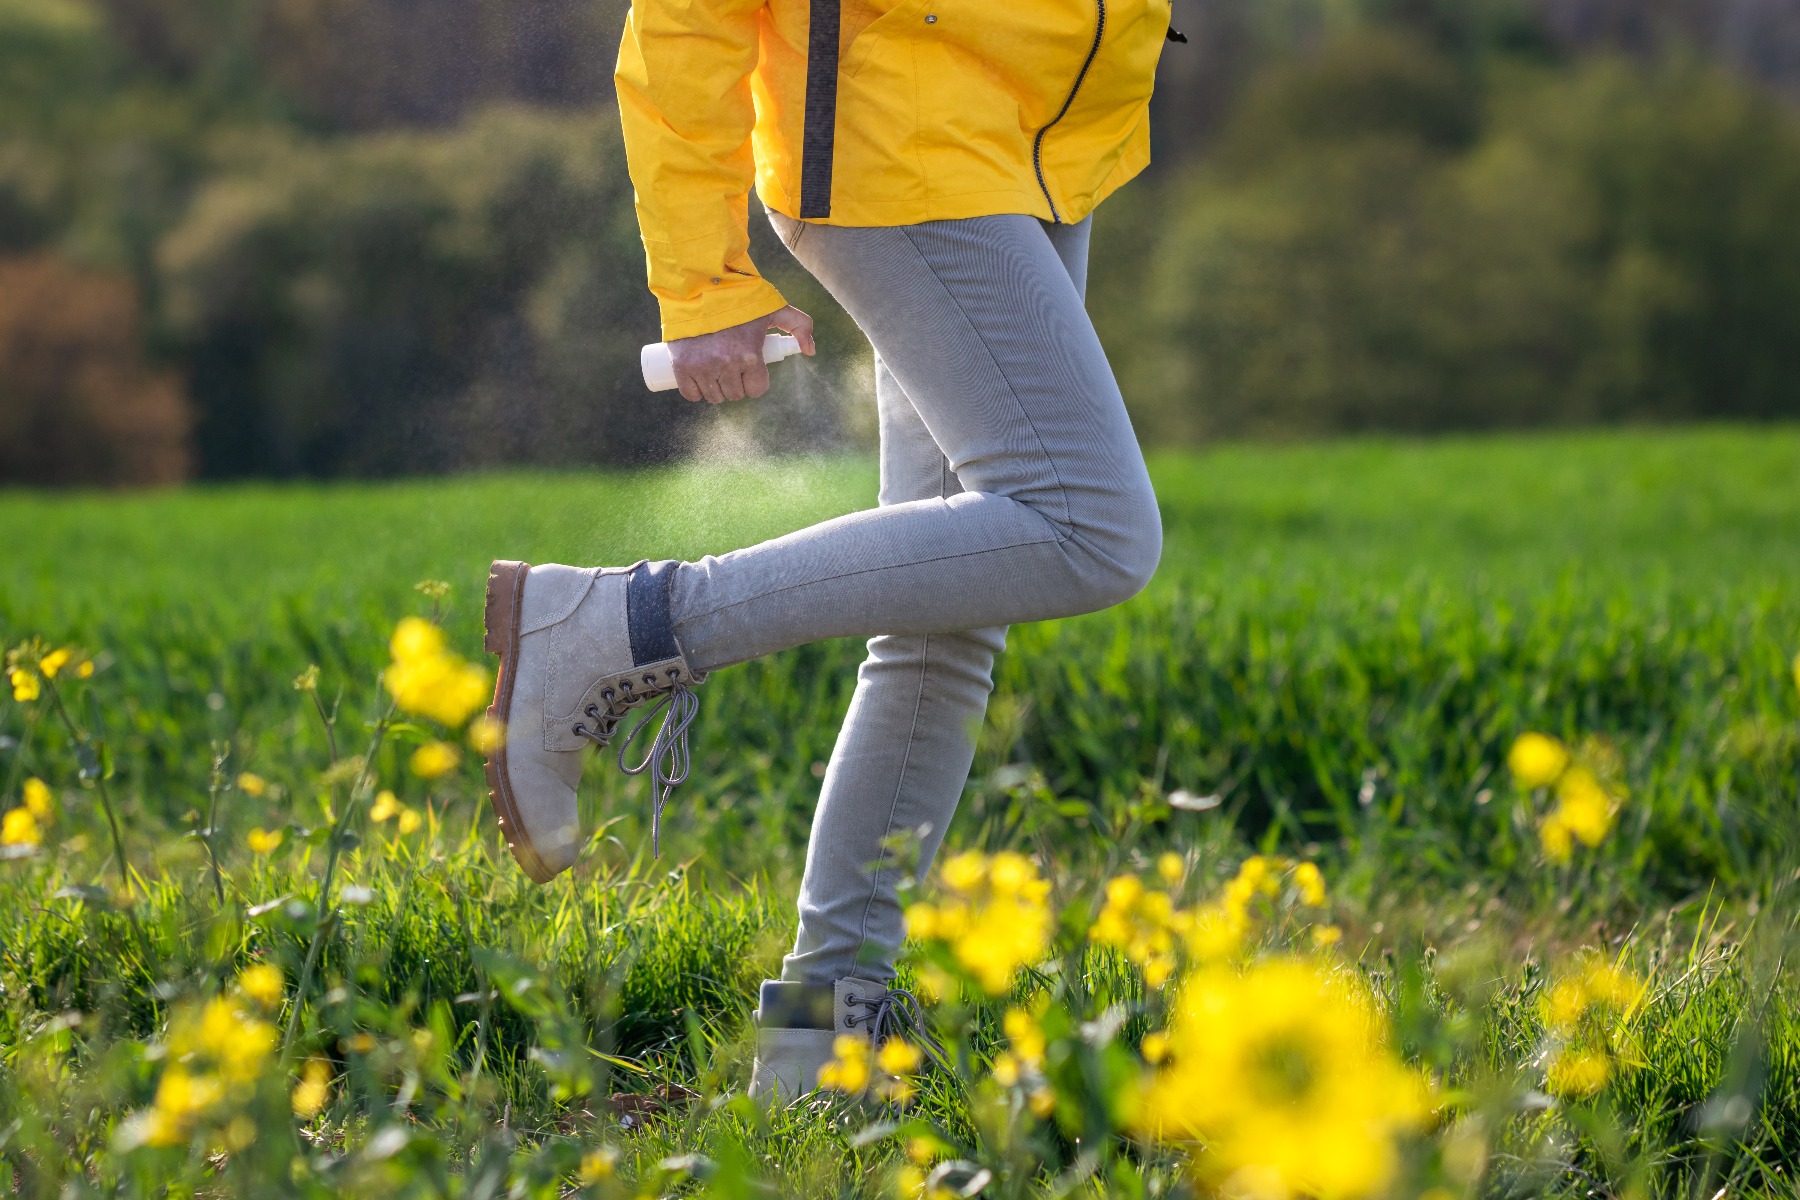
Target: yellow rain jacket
868, 112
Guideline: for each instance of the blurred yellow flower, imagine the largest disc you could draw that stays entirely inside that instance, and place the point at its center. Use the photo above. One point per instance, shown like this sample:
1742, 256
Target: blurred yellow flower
995, 918
486, 734
38, 800
1171, 867
435, 759
252, 784
1577, 1074
263, 841
55, 661
409, 822
1537, 760
599, 1164
1310, 882
84, 669
1027, 1038
386, 806
1283, 1073
848, 1070
263, 983
1143, 923
1325, 936
1557, 841
19, 828
899, 1057
1593, 985
216, 1054
25, 685
427, 679
1005, 1069
314, 1088
1585, 807
1155, 1047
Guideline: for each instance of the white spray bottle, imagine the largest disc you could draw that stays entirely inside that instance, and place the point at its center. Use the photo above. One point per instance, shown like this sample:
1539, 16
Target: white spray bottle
659, 369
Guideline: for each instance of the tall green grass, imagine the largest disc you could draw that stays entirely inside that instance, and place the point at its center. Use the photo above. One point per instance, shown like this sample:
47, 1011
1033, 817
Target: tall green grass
1341, 645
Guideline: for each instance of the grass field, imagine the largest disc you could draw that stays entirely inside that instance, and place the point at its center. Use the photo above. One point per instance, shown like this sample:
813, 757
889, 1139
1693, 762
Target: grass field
1342, 645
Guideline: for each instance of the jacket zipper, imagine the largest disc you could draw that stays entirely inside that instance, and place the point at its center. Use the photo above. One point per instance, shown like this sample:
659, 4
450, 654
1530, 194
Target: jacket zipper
1037, 146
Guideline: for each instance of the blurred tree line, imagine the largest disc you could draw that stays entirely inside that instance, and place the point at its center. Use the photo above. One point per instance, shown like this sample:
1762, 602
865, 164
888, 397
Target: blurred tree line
319, 237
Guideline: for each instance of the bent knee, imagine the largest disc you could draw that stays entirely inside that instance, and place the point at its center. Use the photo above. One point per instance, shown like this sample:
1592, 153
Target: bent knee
1119, 557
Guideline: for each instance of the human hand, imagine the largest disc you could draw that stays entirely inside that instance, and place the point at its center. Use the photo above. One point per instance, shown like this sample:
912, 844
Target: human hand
728, 364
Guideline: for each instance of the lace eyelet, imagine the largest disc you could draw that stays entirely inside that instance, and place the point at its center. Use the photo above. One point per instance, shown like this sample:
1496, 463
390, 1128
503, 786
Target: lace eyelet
608, 693
592, 710
579, 731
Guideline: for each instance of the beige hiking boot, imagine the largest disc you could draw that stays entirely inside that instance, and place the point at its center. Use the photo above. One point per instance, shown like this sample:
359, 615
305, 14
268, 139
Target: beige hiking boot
579, 648
798, 1025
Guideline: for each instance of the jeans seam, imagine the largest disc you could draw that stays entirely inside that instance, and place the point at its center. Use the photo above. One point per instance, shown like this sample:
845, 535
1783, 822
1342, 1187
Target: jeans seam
912, 733
1062, 490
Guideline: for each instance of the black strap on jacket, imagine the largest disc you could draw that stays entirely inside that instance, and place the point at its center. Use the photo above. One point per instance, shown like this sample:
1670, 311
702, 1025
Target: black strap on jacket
819, 133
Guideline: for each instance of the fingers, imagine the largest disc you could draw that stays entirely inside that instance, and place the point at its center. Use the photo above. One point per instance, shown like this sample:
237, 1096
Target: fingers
791, 320
756, 380
722, 382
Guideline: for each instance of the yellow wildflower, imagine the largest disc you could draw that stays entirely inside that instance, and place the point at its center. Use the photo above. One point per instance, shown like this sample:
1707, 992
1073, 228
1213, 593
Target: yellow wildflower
1584, 806
1537, 760
963, 872
84, 670
1155, 1047
386, 806
263, 841
19, 828
1326, 936
921, 921
1217, 931
848, 1070
486, 734
1171, 867
1026, 1037
38, 800
1311, 884
1142, 923
181, 1099
263, 983
1005, 1069
597, 1165
996, 919
1042, 1102
55, 661
899, 1057
1556, 838
435, 759
1282, 1072
427, 679
252, 784
409, 822
1576, 1074
25, 685
314, 1088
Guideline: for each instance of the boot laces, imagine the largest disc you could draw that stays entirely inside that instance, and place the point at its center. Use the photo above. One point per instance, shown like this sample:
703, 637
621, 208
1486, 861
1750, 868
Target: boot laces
894, 1012
667, 759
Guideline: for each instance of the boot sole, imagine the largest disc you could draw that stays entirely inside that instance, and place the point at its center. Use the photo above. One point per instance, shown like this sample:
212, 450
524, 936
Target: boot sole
505, 601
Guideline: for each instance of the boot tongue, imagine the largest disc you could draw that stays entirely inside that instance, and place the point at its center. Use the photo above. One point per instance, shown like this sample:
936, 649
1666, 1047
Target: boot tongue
784, 1005
647, 612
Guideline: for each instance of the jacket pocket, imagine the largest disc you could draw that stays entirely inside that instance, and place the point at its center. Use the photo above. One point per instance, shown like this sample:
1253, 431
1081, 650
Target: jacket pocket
883, 28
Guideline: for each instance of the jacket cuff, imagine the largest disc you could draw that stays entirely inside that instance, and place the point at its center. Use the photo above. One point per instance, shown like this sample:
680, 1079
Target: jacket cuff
744, 299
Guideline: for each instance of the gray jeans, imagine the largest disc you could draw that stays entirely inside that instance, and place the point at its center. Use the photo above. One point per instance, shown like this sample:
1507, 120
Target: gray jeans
1012, 489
